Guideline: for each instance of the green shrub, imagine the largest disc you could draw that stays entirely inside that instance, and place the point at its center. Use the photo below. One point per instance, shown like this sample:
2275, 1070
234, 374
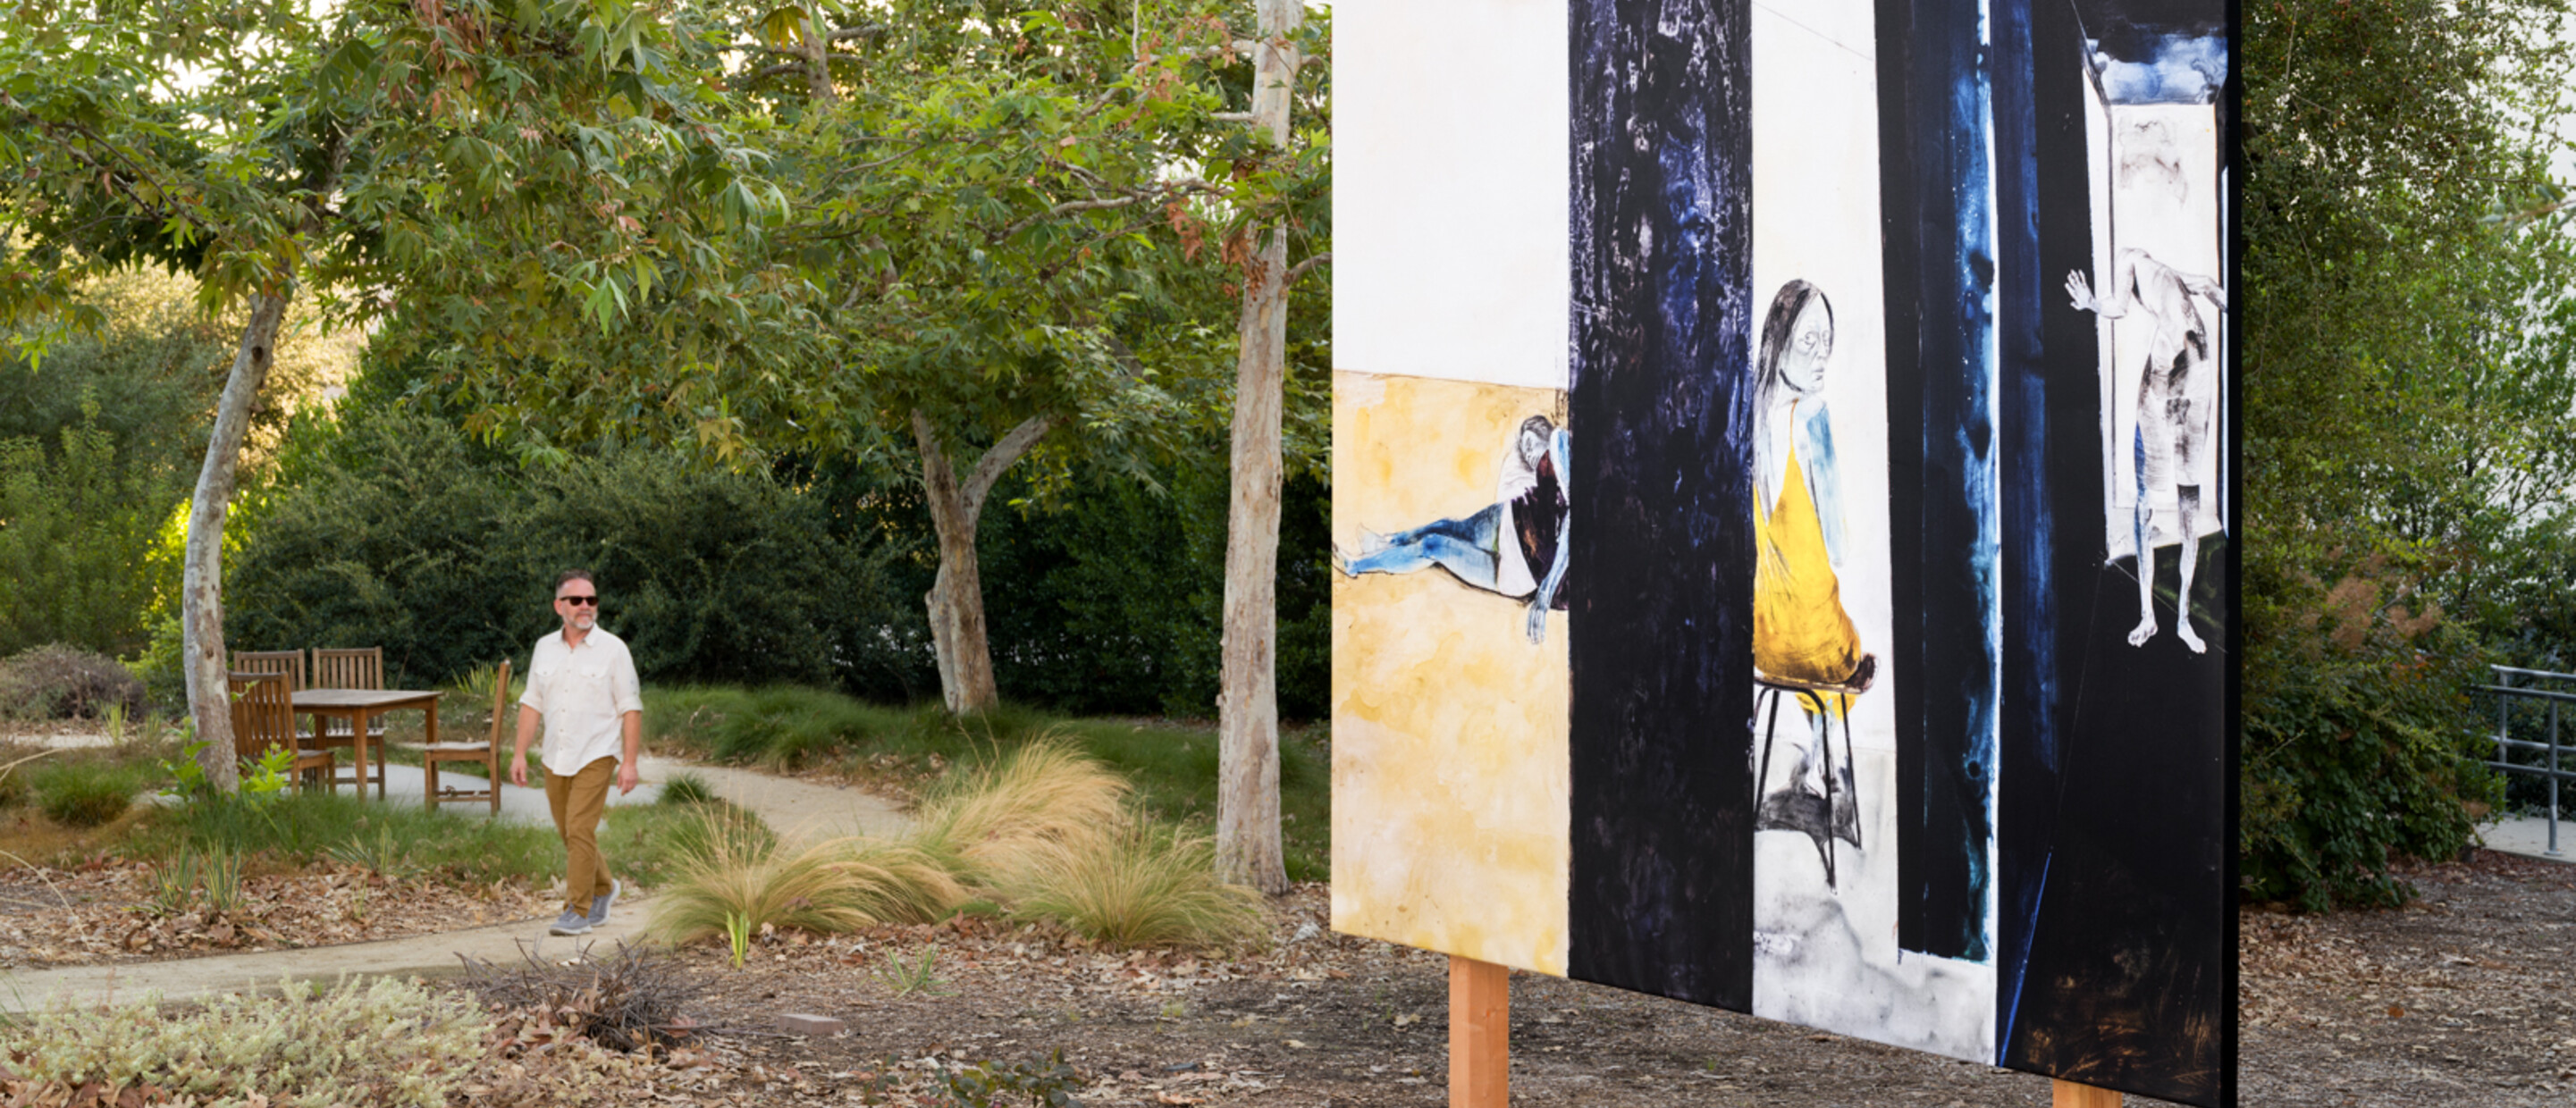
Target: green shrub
64, 682
2360, 745
686, 788
364, 1041
1109, 598
707, 574
84, 794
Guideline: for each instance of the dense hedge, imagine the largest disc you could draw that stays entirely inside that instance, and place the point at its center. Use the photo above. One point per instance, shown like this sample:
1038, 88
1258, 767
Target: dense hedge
445, 554
1113, 600
395, 529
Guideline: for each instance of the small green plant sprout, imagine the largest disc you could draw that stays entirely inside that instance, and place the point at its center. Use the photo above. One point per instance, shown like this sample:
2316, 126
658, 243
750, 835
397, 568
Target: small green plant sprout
1175, 1009
738, 933
174, 884
263, 781
112, 720
187, 779
380, 854
905, 978
222, 873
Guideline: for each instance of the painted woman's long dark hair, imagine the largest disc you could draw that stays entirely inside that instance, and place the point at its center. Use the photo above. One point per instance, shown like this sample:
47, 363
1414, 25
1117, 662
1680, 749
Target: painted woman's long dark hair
1792, 299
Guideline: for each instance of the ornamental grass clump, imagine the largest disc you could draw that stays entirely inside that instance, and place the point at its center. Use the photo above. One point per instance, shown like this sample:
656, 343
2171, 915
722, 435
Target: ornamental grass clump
990, 819
363, 1041
741, 876
1044, 834
1142, 885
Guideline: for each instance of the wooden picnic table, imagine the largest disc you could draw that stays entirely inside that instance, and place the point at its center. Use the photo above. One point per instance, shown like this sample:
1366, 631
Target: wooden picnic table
359, 707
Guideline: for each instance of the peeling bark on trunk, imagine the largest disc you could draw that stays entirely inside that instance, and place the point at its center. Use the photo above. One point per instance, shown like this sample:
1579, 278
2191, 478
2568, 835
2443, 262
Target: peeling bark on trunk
818, 69
201, 611
956, 599
1247, 830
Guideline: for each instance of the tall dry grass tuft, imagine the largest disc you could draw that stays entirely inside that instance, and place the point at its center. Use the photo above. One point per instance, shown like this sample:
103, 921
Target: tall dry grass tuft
1046, 831
740, 872
993, 818
1139, 885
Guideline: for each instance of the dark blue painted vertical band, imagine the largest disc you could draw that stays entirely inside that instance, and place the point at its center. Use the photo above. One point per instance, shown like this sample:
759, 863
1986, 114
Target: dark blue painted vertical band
2027, 732
1661, 498
1938, 196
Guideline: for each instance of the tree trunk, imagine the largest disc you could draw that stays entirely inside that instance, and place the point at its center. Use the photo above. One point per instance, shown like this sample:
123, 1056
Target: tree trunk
201, 609
818, 69
1247, 829
956, 599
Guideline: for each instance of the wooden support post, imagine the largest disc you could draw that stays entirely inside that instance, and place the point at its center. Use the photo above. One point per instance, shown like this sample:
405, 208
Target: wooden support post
2072, 1095
1480, 1034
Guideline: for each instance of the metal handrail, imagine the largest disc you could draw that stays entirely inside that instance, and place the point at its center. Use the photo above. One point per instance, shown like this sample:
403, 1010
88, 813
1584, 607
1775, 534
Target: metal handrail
2554, 771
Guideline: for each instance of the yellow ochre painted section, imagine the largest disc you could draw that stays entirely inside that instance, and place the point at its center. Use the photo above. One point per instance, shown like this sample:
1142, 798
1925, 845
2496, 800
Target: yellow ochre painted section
1800, 630
1450, 772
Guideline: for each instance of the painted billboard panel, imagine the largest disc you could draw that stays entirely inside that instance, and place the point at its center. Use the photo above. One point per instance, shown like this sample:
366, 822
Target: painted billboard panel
1842, 637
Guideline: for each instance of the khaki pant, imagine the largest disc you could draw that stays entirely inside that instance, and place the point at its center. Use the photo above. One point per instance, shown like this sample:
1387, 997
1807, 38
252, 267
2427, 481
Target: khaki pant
577, 802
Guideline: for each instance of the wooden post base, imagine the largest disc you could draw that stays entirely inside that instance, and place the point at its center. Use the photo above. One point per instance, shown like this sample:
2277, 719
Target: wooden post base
2072, 1095
1480, 1034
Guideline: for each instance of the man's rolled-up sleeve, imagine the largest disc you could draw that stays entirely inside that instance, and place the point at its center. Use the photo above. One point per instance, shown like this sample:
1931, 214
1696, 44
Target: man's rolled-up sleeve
535, 696
623, 686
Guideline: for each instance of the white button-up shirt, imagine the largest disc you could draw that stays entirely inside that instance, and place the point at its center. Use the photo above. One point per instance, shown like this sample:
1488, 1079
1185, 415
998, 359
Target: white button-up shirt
582, 692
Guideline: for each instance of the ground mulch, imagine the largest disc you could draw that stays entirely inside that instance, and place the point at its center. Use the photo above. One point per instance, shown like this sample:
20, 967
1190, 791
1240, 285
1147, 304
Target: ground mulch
102, 911
2458, 998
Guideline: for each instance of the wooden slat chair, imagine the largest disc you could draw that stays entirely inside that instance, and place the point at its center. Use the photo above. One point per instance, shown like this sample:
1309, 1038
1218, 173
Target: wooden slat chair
351, 668
264, 718
288, 662
487, 752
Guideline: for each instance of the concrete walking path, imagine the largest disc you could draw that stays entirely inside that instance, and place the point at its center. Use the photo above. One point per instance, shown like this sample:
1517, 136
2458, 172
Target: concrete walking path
799, 810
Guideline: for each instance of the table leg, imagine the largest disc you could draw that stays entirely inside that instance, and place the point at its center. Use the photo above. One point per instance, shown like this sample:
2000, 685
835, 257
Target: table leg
430, 762
358, 732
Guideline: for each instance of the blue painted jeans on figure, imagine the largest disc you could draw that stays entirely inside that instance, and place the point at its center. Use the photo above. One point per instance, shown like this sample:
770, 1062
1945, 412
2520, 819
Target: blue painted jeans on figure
1464, 547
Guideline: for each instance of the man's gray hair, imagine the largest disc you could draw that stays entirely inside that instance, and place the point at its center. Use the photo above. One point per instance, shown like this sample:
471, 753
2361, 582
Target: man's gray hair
571, 575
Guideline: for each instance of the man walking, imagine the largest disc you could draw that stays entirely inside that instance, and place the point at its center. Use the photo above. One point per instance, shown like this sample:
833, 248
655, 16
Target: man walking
581, 682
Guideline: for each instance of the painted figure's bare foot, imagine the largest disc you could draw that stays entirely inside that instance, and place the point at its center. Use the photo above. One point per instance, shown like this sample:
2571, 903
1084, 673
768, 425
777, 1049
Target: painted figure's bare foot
2146, 629
1371, 542
2183, 631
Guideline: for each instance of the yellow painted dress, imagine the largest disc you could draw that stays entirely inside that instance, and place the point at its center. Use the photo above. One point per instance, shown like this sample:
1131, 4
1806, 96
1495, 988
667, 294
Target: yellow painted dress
1800, 631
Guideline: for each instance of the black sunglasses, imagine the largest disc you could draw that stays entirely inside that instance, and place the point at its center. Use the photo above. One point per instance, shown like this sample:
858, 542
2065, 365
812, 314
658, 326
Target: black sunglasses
578, 601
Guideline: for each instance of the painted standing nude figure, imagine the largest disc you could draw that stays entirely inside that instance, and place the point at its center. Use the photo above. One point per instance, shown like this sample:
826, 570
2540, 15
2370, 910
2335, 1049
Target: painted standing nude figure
2177, 401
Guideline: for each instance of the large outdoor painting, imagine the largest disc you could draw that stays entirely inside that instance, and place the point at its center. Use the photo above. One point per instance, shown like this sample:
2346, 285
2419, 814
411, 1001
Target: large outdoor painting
1782, 513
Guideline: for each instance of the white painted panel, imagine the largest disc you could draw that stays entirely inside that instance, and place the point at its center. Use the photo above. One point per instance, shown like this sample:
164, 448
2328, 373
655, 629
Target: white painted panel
1449, 189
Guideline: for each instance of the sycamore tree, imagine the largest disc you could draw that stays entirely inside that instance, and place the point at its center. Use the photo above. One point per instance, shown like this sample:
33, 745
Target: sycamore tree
495, 165
1020, 251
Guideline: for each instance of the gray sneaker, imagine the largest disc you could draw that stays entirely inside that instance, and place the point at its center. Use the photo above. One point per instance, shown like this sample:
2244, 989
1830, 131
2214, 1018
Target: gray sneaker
570, 923
599, 905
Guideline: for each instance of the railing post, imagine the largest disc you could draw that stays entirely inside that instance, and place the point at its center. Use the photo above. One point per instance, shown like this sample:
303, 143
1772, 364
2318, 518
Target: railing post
2553, 779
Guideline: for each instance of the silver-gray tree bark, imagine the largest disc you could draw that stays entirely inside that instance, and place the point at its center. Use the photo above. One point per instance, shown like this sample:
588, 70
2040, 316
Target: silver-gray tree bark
201, 609
1247, 829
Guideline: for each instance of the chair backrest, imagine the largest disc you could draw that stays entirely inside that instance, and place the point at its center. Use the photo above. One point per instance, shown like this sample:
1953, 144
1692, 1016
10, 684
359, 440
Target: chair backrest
288, 662
500, 702
263, 713
356, 668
